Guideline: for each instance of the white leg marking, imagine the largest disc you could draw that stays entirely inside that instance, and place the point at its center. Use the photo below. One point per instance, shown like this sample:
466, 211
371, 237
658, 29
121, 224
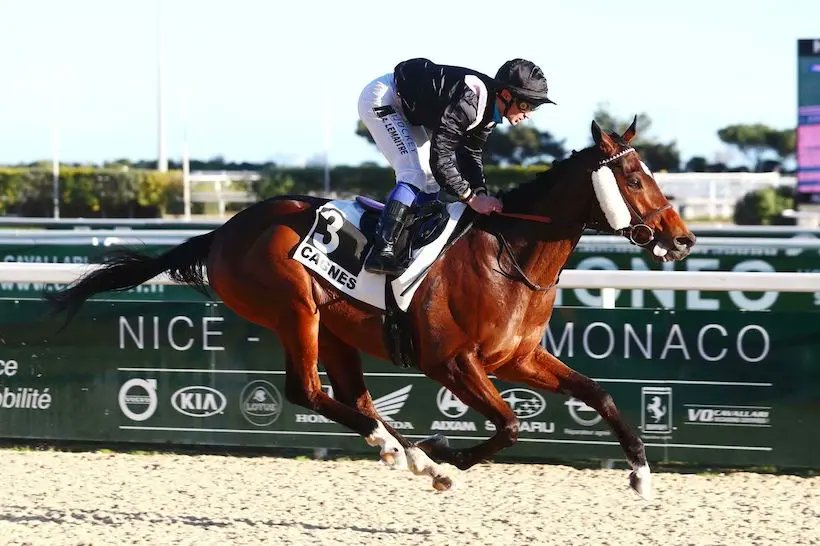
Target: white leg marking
641, 481
391, 452
420, 464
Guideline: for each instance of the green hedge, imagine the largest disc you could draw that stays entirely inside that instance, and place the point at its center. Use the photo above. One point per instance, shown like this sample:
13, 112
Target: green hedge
373, 181
91, 192
765, 207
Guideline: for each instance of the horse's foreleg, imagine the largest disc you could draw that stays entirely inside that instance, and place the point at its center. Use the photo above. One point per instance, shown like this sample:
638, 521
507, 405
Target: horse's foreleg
542, 370
465, 377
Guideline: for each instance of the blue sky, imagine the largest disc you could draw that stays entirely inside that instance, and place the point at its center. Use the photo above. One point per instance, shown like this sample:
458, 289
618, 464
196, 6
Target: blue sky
258, 80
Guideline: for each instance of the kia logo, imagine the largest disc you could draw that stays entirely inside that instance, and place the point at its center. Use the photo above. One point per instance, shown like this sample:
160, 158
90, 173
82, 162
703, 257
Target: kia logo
198, 401
525, 403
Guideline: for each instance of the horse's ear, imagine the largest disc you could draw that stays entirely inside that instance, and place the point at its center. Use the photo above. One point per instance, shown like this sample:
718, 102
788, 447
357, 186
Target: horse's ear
603, 140
632, 131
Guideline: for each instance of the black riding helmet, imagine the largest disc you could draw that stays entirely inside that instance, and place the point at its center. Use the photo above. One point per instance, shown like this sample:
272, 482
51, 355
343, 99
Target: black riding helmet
524, 80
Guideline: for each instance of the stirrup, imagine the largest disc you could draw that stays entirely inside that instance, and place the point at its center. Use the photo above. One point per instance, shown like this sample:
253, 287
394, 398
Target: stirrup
383, 264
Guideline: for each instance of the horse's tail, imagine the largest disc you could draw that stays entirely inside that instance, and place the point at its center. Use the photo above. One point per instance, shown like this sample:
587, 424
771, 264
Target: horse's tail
128, 269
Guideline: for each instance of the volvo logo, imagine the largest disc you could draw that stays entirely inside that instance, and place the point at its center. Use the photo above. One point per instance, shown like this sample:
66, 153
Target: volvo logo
138, 398
198, 401
525, 403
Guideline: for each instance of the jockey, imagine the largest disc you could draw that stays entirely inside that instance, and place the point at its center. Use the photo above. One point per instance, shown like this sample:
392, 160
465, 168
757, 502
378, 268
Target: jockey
431, 123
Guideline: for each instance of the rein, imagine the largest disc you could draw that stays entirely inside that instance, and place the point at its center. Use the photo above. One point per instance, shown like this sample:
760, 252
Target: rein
529, 217
504, 245
639, 234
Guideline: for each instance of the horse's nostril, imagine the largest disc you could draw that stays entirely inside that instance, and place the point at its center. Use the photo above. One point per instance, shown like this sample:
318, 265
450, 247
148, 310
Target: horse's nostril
687, 241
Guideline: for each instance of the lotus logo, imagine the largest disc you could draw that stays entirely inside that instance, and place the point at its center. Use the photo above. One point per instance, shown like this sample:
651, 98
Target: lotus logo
525, 403
198, 401
260, 403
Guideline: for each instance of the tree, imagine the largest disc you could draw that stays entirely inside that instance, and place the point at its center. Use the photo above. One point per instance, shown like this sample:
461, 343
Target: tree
697, 164
783, 142
519, 145
522, 145
755, 140
657, 155
764, 206
361, 130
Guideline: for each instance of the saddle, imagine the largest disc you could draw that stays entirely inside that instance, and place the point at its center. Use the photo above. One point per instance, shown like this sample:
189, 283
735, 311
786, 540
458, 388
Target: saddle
426, 222
337, 245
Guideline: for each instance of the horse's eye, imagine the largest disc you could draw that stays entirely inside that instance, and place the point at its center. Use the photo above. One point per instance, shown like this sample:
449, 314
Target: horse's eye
633, 182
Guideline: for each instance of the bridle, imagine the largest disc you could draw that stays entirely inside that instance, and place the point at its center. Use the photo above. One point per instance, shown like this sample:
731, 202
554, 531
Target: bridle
638, 232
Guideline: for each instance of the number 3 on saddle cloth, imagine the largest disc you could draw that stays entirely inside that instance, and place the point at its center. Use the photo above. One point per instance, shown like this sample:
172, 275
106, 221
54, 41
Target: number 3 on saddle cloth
336, 246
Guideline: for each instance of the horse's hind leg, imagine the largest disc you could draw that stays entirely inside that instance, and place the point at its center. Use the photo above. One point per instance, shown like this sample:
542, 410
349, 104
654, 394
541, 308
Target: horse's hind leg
264, 285
542, 370
343, 364
344, 369
299, 336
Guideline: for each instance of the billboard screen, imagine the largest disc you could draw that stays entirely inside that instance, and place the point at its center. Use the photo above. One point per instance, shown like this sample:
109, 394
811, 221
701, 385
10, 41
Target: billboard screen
808, 122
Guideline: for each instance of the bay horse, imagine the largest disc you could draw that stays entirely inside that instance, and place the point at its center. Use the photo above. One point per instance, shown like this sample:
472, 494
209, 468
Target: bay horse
481, 310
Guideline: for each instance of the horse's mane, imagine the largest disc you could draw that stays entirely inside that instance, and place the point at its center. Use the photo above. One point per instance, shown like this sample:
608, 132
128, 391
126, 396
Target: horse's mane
533, 191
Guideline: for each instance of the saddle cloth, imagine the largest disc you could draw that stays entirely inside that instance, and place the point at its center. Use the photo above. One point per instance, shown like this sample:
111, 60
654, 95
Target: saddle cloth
335, 249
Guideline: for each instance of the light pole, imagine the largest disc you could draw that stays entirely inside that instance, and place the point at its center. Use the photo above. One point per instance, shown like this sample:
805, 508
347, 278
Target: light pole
162, 157
55, 167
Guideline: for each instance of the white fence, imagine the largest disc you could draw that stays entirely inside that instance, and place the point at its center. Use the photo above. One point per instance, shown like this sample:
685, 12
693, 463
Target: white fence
219, 187
608, 281
694, 195
714, 195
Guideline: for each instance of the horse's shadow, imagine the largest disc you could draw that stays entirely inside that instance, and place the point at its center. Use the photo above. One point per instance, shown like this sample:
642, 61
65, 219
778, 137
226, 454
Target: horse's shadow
117, 518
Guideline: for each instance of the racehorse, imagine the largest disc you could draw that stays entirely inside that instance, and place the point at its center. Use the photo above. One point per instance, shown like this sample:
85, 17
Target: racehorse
481, 310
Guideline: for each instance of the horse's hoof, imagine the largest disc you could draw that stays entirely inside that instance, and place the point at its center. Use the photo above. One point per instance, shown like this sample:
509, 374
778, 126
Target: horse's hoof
442, 483
436, 446
394, 460
436, 440
640, 481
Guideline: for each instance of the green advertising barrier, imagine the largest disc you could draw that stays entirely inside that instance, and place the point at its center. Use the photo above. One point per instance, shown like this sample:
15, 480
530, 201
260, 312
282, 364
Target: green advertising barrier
89, 252
706, 387
591, 253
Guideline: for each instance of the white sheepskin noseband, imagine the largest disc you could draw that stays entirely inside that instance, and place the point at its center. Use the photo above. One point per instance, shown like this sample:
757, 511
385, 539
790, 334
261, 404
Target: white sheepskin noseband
610, 199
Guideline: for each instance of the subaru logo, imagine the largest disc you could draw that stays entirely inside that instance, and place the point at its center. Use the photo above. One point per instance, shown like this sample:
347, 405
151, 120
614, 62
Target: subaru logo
525, 403
198, 401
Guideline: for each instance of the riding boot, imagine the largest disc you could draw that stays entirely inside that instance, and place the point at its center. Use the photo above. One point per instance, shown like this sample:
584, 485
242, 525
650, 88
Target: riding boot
383, 257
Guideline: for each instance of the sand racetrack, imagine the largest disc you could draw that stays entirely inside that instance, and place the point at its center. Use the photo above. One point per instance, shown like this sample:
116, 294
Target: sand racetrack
53, 497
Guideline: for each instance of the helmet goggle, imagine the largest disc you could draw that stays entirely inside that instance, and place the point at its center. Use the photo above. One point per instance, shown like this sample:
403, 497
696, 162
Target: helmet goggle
525, 106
